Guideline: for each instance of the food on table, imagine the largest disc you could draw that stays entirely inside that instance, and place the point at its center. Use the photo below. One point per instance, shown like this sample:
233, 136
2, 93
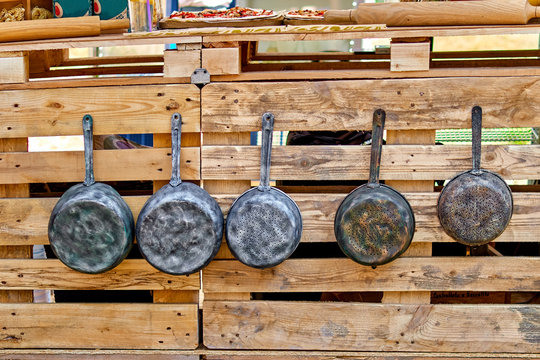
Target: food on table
306, 13
234, 13
41, 13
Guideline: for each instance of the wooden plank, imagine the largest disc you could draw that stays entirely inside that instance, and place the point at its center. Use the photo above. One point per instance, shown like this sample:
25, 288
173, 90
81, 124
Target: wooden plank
358, 326
131, 274
398, 162
109, 165
311, 355
15, 252
181, 63
412, 104
409, 56
116, 110
106, 326
411, 137
221, 61
14, 69
24, 221
98, 356
403, 274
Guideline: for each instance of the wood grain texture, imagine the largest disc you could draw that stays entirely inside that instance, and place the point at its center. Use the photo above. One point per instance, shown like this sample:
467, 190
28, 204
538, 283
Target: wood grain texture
109, 165
409, 57
221, 61
403, 274
131, 274
181, 63
98, 355
106, 326
116, 110
14, 69
313, 355
358, 327
398, 162
349, 105
24, 221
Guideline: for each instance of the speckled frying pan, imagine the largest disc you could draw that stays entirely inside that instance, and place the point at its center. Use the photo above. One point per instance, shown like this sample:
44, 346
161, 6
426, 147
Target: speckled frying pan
476, 206
264, 225
374, 224
91, 228
180, 227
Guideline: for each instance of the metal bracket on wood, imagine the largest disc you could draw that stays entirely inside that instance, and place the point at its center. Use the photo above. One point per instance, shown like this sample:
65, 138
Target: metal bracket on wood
200, 77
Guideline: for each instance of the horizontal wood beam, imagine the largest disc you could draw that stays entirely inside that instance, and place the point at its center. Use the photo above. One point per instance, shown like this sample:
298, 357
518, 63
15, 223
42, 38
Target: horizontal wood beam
105, 326
24, 221
133, 110
109, 165
296, 325
418, 104
403, 274
131, 274
398, 162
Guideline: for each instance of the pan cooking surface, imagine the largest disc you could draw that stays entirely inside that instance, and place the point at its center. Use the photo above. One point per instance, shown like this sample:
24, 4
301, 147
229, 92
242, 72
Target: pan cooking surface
474, 209
262, 232
177, 236
88, 236
376, 225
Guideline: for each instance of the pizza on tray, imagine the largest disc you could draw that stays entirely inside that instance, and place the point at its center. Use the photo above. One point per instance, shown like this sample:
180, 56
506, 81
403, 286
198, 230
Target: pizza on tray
233, 14
305, 14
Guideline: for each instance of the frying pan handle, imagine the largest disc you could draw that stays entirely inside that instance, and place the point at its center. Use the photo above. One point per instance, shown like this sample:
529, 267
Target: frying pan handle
379, 117
88, 126
266, 150
176, 135
476, 139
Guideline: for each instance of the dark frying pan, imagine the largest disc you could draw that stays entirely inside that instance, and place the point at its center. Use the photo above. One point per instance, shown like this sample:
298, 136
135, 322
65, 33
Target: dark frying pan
180, 227
374, 224
91, 227
264, 225
475, 206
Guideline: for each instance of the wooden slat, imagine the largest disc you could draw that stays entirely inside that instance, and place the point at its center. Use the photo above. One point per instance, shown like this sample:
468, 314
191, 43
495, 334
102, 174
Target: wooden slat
403, 274
398, 162
14, 69
410, 56
109, 165
312, 355
349, 326
131, 274
100, 356
24, 221
116, 110
410, 104
106, 326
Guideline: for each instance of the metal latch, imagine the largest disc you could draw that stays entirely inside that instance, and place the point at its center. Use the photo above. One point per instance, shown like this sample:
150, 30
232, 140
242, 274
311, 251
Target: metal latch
200, 76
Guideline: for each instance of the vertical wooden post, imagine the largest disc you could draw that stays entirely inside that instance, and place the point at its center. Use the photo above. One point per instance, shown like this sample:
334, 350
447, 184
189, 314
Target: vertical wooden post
15, 252
411, 137
14, 69
226, 187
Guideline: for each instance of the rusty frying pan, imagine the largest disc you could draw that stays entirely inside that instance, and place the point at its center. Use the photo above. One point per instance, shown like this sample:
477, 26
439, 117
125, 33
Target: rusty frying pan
180, 227
91, 227
475, 206
374, 224
264, 225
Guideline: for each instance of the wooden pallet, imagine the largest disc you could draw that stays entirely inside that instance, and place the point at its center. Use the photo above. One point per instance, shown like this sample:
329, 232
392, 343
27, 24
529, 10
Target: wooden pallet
318, 304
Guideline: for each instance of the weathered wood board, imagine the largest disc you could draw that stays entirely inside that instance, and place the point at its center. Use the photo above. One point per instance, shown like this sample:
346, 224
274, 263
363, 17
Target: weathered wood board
109, 165
371, 327
398, 162
105, 326
116, 110
131, 274
24, 221
403, 274
348, 105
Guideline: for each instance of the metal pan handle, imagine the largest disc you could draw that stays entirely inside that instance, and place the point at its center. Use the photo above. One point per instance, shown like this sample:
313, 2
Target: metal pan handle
379, 117
176, 136
88, 123
476, 139
266, 150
